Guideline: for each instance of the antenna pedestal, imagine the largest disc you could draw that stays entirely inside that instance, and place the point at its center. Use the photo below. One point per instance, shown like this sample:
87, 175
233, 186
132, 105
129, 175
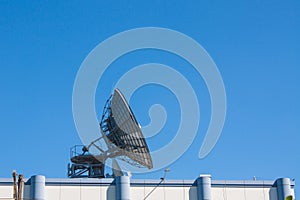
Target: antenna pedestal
85, 165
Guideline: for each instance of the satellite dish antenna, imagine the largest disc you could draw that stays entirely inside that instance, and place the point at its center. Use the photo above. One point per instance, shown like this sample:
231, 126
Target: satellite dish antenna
123, 139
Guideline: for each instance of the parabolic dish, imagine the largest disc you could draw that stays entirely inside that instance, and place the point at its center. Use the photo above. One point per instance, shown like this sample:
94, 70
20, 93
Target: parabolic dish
123, 131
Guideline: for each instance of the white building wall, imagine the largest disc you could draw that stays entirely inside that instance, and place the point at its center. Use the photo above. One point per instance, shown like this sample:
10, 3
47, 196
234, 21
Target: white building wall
137, 193
162, 193
79, 192
6, 192
98, 189
219, 193
229, 193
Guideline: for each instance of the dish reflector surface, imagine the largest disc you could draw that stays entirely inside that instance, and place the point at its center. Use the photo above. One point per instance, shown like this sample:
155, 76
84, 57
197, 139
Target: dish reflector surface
123, 131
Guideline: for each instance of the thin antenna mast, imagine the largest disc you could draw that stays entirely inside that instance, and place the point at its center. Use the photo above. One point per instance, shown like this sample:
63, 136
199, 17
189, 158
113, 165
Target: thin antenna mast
162, 179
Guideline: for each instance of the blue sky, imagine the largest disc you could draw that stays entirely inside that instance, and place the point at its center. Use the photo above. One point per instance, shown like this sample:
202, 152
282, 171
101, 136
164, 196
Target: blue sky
255, 45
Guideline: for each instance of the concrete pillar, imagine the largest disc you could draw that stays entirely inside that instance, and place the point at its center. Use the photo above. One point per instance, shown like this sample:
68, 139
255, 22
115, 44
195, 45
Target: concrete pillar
122, 188
204, 187
283, 188
37, 187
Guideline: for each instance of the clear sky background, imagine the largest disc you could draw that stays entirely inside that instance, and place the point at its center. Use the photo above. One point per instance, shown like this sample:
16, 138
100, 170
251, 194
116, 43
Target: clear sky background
255, 45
